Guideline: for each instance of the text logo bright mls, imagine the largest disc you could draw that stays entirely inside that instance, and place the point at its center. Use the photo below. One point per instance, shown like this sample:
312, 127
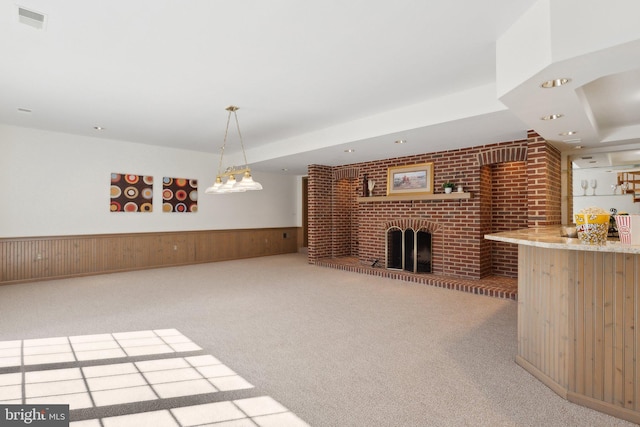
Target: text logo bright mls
34, 415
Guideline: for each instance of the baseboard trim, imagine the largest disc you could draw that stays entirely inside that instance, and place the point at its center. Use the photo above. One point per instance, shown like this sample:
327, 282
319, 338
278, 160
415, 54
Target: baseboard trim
542, 377
578, 399
605, 407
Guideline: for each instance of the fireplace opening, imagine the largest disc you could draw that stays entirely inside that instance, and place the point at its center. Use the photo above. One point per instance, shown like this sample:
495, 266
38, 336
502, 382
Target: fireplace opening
409, 250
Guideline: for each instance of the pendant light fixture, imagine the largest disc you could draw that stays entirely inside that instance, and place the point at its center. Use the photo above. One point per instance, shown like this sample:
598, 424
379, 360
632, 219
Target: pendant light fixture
232, 185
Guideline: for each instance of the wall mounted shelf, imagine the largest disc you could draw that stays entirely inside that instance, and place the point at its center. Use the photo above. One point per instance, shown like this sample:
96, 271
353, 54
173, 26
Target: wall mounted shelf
409, 198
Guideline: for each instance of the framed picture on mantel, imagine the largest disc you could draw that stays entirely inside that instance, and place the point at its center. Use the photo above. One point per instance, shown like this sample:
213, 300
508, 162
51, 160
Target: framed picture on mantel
411, 179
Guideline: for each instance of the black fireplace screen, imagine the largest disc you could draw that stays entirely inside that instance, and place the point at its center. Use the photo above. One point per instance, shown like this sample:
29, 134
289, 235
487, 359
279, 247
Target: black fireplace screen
409, 250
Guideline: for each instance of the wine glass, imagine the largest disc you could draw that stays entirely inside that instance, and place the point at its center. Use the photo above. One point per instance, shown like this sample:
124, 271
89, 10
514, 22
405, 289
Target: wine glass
623, 187
614, 187
584, 184
594, 185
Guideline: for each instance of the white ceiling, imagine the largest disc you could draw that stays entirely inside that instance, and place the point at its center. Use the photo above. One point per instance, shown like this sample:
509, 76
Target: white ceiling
312, 78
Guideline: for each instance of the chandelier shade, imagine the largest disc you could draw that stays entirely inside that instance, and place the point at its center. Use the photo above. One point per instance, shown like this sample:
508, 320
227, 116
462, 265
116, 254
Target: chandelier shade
232, 185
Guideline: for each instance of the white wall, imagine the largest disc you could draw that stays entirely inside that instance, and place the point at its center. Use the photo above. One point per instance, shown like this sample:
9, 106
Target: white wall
58, 184
604, 197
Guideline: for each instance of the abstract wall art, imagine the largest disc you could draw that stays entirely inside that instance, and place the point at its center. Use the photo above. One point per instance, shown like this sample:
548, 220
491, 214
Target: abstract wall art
131, 193
179, 195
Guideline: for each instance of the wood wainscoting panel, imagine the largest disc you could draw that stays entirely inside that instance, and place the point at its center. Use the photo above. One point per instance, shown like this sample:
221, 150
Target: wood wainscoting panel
543, 318
578, 320
38, 258
606, 311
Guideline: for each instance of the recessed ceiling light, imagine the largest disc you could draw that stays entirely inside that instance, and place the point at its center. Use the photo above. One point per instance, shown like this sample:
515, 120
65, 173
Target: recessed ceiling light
400, 141
568, 133
31, 18
349, 150
98, 128
555, 83
551, 117
578, 147
284, 169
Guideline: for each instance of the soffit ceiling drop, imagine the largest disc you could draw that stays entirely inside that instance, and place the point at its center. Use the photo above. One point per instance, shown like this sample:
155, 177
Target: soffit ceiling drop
597, 49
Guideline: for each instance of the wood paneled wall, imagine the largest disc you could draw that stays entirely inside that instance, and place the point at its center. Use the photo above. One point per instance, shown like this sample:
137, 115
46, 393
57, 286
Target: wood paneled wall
605, 306
543, 321
578, 315
39, 258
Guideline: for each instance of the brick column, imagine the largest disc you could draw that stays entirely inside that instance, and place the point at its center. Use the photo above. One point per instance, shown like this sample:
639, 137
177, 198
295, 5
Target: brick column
543, 182
320, 212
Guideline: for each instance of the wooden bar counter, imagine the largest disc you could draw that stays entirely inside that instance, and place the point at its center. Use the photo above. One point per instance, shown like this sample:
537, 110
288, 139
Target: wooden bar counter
578, 318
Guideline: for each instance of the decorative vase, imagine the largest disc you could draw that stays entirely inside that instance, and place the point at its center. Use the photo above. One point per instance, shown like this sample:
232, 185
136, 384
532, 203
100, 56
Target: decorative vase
365, 184
460, 189
448, 190
371, 184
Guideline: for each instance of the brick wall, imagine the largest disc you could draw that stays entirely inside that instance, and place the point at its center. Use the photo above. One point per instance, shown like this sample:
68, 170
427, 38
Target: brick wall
459, 247
319, 210
544, 182
345, 218
508, 212
486, 224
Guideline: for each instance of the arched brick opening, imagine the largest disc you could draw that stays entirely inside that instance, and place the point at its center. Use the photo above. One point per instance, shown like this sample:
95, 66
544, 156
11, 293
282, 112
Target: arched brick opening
504, 176
409, 244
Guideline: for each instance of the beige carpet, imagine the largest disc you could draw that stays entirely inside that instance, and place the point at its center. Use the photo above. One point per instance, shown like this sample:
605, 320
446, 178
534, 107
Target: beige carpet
335, 348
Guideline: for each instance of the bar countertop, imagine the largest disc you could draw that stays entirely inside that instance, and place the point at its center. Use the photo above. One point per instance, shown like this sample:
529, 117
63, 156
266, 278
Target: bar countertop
550, 237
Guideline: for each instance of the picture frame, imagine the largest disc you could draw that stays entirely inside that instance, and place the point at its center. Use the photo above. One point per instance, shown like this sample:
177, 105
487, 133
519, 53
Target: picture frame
410, 180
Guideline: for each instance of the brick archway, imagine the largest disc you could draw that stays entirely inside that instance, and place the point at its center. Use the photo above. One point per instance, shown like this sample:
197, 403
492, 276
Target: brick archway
502, 155
416, 224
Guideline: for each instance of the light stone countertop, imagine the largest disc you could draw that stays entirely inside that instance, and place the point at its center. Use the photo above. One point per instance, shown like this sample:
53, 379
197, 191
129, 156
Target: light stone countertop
549, 237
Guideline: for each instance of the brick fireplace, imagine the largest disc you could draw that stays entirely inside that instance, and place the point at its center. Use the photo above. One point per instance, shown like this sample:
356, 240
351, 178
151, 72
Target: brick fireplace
409, 245
513, 184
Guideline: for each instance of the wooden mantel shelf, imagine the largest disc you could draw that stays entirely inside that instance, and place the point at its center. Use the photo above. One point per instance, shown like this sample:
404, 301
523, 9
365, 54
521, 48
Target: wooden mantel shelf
439, 196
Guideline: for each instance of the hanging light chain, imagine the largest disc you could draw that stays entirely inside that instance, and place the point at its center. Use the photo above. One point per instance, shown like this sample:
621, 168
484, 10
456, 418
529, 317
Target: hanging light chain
226, 132
232, 185
246, 164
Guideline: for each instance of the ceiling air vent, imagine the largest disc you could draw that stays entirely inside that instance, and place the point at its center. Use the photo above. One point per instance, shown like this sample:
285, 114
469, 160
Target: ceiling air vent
31, 18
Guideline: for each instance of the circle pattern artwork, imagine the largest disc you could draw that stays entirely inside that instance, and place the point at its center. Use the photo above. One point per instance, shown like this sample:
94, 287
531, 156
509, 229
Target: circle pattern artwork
131, 193
179, 195
115, 191
131, 179
130, 207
